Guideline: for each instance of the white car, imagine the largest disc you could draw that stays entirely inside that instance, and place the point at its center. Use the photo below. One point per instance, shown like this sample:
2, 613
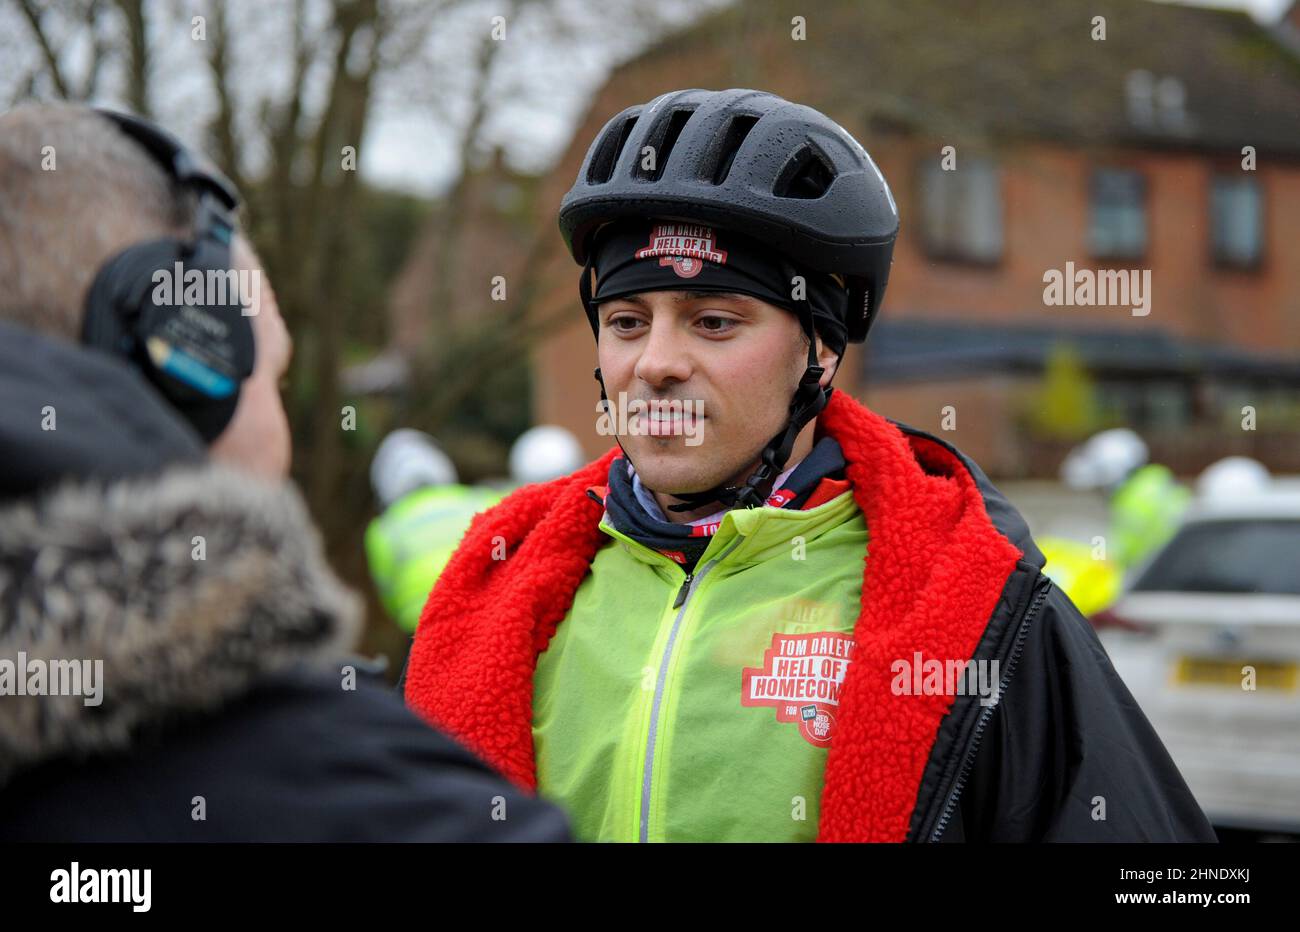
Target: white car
1207, 638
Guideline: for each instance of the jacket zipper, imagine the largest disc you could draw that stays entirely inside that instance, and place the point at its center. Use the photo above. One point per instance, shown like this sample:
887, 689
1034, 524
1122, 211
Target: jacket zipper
682, 592
987, 713
681, 603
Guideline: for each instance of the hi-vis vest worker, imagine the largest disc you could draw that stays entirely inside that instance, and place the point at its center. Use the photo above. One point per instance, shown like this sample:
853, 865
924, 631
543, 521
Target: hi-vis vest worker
409, 544
426, 512
1145, 512
768, 613
1092, 581
1146, 501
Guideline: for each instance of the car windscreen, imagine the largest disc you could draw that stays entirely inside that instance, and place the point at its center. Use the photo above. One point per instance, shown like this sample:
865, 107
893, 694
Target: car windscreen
1256, 555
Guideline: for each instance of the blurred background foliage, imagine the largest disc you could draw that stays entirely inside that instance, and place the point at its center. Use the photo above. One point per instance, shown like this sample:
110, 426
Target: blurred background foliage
1065, 405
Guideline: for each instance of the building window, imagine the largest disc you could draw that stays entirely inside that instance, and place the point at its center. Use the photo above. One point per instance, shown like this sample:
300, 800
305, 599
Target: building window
1153, 404
961, 210
1236, 220
1118, 227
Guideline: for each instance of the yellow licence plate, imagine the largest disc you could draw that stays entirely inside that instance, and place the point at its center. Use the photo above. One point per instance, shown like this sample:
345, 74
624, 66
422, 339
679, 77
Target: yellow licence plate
1212, 671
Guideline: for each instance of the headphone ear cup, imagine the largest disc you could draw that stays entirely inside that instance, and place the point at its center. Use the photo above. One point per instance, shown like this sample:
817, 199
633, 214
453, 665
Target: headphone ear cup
196, 354
112, 306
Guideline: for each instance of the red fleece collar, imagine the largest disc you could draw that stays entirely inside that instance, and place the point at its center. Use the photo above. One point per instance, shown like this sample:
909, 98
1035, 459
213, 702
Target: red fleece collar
936, 570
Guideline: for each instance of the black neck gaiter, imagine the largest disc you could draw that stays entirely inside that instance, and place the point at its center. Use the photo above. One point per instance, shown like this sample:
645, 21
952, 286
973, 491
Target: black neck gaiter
685, 543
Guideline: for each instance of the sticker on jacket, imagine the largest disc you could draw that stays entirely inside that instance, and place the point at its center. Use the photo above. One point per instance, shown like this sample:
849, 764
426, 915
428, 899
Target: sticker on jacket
801, 677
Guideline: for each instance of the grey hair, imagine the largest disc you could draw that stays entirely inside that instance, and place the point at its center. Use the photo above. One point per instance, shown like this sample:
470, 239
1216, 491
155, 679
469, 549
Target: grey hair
74, 191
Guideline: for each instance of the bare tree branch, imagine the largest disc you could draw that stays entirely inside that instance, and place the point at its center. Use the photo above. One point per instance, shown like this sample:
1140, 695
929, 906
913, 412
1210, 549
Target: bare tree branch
404, 42
137, 84
33, 15
223, 129
101, 49
327, 211
283, 128
493, 337
452, 209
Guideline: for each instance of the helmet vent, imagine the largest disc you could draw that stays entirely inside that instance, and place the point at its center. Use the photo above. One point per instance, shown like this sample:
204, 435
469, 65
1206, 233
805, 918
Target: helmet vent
731, 143
807, 175
611, 147
667, 136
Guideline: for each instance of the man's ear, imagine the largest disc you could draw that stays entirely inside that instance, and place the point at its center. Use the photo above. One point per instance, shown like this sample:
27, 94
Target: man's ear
828, 359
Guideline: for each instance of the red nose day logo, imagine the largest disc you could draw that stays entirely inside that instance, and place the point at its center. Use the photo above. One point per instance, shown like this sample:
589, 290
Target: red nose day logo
684, 246
801, 676
684, 266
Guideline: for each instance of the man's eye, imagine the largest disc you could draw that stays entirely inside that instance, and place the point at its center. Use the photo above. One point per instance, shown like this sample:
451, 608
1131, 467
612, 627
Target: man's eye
717, 324
617, 323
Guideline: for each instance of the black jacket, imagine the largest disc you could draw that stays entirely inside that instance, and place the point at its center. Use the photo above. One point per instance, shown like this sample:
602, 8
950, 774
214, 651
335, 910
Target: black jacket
226, 707
1065, 754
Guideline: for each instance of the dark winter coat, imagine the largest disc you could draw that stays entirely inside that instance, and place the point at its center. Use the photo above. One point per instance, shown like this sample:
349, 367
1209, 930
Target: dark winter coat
229, 709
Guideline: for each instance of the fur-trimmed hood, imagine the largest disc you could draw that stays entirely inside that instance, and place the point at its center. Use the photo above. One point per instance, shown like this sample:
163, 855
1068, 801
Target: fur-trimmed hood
119, 543
189, 588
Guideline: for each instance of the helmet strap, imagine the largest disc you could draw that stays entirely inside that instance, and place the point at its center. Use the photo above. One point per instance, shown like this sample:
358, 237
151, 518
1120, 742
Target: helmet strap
584, 290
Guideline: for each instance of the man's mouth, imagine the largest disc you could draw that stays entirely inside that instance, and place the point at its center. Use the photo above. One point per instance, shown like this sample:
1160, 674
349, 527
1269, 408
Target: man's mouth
667, 423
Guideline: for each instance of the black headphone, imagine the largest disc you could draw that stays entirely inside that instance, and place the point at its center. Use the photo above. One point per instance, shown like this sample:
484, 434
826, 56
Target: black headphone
197, 354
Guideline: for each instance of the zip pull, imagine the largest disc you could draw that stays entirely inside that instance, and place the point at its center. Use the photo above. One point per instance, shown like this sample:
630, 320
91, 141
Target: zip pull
681, 593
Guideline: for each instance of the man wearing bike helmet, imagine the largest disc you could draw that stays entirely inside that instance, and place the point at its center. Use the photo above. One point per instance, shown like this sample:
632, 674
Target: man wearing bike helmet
735, 625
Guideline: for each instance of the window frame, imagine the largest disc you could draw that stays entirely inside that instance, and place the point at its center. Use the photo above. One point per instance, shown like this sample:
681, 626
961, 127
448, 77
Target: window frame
960, 255
1217, 261
1144, 208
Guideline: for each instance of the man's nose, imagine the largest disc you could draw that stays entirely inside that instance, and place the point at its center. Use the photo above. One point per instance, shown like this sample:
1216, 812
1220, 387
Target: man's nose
663, 355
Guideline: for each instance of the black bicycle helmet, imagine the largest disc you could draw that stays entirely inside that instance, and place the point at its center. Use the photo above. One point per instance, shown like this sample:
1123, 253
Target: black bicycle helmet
784, 174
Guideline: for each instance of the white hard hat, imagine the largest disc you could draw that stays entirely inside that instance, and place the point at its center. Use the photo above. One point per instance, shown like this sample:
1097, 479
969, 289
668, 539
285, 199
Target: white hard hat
543, 453
408, 460
1104, 460
1232, 476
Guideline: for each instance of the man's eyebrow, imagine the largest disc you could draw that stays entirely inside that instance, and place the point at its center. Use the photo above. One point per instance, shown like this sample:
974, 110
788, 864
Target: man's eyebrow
630, 298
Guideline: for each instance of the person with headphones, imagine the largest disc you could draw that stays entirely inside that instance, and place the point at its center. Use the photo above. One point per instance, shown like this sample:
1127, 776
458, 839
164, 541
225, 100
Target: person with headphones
769, 613
174, 649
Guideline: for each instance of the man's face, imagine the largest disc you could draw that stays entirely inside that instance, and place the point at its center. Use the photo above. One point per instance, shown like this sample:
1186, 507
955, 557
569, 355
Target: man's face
734, 358
257, 438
